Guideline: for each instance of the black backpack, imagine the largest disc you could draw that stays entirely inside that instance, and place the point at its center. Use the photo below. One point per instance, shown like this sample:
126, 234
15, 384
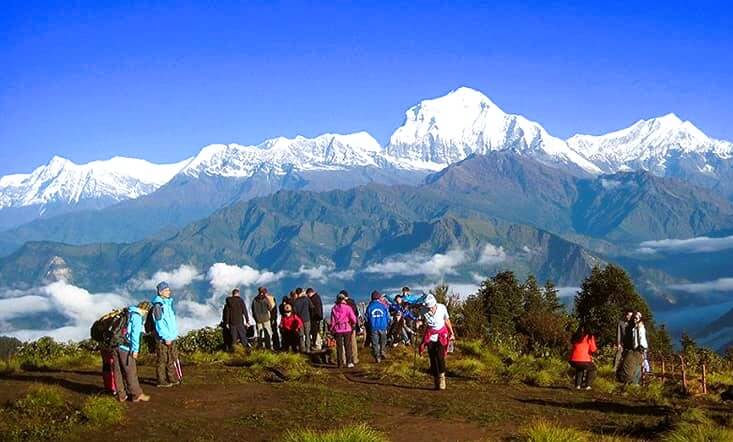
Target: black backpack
150, 320
111, 329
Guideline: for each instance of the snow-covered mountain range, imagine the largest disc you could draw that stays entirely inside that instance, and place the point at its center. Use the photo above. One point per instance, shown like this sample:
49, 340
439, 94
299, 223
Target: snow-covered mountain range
436, 133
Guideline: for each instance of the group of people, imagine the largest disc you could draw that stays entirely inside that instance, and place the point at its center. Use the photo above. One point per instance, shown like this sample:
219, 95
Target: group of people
631, 352
298, 324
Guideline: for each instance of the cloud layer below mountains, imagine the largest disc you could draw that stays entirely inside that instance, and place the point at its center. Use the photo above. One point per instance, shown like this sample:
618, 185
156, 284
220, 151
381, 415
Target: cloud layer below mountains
66, 312
700, 244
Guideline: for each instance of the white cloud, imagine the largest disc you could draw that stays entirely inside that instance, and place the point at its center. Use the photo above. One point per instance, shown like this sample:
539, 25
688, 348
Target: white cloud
491, 255
224, 277
177, 279
567, 292
344, 275
77, 305
717, 285
23, 305
416, 264
701, 244
320, 273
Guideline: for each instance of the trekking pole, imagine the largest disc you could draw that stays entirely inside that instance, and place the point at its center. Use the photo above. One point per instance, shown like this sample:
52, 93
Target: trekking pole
414, 360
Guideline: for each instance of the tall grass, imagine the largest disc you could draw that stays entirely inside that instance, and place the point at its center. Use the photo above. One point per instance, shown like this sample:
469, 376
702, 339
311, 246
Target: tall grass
102, 410
41, 400
351, 433
544, 431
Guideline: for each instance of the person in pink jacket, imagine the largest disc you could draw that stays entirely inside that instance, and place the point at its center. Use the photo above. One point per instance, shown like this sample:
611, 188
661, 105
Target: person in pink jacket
343, 321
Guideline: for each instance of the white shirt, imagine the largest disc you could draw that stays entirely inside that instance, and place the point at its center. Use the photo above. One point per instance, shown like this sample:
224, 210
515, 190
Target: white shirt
436, 320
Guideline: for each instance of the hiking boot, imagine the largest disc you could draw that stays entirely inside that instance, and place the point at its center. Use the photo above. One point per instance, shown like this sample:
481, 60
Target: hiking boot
441, 381
588, 388
577, 387
122, 398
350, 365
142, 398
169, 385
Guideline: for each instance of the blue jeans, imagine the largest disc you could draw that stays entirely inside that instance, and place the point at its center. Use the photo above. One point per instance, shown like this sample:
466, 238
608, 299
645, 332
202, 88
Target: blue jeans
379, 343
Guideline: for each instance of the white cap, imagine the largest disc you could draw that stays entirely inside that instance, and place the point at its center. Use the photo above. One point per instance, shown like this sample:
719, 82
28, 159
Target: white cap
430, 301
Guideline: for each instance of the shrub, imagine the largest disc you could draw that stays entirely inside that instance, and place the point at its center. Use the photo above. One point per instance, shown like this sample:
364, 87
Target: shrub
9, 366
685, 432
352, 433
471, 348
604, 385
207, 340
41, 400
467, 368
45, 353
544, 431
102, 410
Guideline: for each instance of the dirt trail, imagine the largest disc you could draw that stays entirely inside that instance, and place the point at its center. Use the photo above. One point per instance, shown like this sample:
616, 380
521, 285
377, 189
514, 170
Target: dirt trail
215, 403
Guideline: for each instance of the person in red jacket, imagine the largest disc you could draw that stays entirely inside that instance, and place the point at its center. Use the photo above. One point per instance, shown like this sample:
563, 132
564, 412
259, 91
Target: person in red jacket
290, 328
581, 357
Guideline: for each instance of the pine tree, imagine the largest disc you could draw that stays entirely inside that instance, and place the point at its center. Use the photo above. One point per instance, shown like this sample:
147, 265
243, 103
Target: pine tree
503, 299
533, 298
552, 299
603, 297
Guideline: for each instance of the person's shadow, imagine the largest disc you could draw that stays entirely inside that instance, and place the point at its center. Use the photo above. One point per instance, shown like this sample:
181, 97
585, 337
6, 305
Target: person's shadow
78, 387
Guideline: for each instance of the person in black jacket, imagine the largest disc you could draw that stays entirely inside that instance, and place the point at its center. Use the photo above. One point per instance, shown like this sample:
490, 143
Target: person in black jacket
236, 319
316, 315
302, 307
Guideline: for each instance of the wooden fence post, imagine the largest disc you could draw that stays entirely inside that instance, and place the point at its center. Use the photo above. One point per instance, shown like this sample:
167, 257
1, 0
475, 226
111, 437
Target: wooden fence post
684, 373
704, 380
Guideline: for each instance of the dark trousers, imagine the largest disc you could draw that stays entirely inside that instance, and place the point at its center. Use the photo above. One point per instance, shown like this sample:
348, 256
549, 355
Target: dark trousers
276, 341
585, 373
344, 348
305, 337
238, 333
436, 352
379, 343
125, 368
291, 340
167, 359
315, 329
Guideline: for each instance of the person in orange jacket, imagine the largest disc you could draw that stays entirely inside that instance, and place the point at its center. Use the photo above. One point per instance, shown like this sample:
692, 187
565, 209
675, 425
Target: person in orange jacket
581, 358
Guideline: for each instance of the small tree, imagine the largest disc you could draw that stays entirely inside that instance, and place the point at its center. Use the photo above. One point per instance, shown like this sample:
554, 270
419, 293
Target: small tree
603, 297
503, 300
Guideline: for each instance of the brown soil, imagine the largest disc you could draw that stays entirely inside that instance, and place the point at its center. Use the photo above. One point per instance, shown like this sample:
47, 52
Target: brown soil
217, 403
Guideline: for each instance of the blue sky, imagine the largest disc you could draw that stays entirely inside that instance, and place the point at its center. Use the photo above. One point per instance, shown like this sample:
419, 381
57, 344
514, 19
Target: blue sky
158, 80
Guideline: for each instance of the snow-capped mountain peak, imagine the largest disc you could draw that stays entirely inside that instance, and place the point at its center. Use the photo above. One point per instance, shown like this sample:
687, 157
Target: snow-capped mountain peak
279, 155
648, 144
443, 130
62, 181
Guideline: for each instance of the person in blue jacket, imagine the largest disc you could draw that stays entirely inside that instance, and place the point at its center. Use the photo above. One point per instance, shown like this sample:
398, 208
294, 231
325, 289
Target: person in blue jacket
377, 314
165, 334
125, 355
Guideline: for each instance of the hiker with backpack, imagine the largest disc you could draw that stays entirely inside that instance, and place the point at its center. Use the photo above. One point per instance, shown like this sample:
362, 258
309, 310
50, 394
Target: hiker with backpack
164, 329
302, 306
262, 307
400, 330
436, 338
581, 358
343, 321
236, 319
316, 315
377, 316
291, 327
125, 356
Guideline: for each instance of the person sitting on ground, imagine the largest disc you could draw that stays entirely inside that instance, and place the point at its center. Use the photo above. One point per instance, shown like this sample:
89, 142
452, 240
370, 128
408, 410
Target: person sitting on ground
581, 358
261, 310
377, 317
438, 334
236, 319
316, 315
291, 327
302, 307
343, 321
165, 334
125, 356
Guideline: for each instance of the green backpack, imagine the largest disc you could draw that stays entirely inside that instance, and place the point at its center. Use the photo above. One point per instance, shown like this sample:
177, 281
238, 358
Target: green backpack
110, 330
